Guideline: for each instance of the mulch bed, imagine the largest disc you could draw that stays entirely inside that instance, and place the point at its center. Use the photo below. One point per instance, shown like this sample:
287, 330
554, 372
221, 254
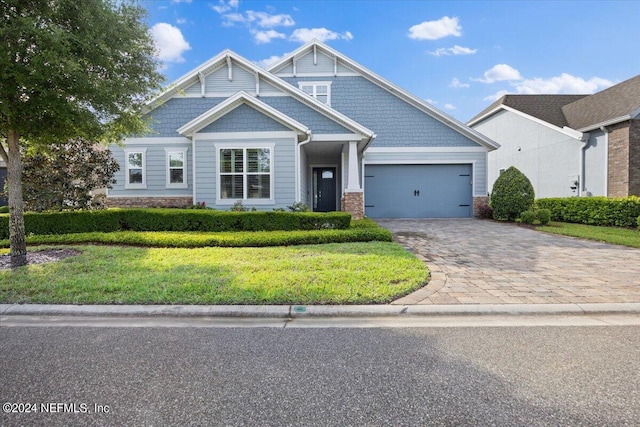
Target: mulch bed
40, 257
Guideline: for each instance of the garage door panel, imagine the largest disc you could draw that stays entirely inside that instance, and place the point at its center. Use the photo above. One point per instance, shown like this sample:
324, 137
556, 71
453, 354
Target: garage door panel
418, 191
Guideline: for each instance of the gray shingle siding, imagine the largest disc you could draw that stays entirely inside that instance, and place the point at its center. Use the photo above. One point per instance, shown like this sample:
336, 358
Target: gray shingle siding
244, 119
315, 121
176, 112
396, 123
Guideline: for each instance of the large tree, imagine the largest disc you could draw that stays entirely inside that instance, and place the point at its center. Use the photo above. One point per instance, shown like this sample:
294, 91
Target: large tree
68, 69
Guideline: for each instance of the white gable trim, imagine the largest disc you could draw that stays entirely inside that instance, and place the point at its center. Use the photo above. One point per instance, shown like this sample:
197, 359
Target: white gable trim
228, 56
393, 89
231, 104
572, 133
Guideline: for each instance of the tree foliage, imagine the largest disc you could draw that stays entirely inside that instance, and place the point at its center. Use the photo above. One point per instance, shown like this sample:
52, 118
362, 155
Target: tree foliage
69, 69
66, 176
512, 194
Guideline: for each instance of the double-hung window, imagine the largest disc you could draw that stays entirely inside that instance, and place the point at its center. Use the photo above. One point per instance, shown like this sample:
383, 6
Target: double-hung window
319, 90
246, 173
135, 170
176, 168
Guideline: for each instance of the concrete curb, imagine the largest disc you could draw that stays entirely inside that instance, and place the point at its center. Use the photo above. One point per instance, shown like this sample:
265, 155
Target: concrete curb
318, 311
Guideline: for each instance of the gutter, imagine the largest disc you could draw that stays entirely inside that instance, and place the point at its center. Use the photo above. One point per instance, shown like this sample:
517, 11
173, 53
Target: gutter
606, 163
298, 154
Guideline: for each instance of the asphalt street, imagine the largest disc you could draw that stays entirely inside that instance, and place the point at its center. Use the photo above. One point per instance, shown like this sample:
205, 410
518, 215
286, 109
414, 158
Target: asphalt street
480, 376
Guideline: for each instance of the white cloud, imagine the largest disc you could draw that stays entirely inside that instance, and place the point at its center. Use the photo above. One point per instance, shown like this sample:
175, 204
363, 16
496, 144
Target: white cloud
181, 21
262, 37
499, 94
455, 50
169, 42
181, 1
434, 30
223, 6
499, 73
431, 101
457, 83
270, 61
564, 83
449, 107
266, 20
304, 35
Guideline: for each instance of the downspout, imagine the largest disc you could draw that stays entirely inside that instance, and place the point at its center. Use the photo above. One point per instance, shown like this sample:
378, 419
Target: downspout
581, 188
606, 163
298, 156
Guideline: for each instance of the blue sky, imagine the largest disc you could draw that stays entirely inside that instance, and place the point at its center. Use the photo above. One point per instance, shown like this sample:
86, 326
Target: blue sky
458, 55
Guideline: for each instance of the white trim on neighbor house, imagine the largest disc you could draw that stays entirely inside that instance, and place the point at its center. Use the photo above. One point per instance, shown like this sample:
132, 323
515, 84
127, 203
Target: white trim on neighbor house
214, 136
231, 104
609, 122
185, 182
571, 133
160, 141
393, 89
135, 186
315, 86
426, 150
245, 146
193, 169
432, 162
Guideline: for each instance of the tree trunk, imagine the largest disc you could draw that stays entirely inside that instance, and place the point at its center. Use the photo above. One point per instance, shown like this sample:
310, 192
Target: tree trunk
16, 206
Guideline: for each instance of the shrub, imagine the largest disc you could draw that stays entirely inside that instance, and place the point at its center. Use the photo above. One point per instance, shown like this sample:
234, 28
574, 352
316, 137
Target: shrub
238, 207
639, 223
484, 210
199, 205
618, 212
4, 209
512, 194
528, 217
298, 207
543, 216
174, 220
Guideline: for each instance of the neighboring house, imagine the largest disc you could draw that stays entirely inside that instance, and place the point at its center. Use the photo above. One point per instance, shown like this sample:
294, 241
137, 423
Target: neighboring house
3, 179
317, 128
568, 145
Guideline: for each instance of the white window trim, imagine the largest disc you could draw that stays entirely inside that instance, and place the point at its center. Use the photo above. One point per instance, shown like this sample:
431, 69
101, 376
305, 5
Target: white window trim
136, 186
185, 178
246, 146
315, 88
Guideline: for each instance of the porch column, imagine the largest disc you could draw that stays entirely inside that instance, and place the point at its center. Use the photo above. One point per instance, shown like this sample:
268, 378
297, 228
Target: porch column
353, 200
353, 178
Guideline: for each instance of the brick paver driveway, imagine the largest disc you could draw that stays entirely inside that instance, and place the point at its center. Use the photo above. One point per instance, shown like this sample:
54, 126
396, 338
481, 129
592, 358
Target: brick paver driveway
484, 262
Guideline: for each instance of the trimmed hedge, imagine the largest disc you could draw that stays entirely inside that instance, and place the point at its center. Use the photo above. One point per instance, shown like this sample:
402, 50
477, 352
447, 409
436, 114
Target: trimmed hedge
512, 194
620, 212
173, 220
172, 239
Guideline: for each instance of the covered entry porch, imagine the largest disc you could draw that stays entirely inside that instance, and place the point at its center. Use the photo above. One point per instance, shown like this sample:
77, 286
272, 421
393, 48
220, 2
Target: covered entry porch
330, 174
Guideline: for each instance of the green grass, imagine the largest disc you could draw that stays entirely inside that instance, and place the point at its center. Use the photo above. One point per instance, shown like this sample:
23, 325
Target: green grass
614, 235
348, 273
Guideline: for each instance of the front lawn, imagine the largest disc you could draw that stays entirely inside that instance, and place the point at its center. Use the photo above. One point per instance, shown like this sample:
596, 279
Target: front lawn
348, 273
614, 235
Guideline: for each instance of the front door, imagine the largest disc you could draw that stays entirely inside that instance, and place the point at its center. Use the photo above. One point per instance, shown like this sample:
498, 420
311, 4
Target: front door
324, 189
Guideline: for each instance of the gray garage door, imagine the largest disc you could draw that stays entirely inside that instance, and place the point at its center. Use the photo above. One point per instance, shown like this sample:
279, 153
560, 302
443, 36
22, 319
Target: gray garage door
418, 191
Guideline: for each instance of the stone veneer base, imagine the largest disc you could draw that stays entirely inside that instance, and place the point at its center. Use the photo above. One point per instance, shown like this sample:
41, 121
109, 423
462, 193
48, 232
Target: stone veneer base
149, 202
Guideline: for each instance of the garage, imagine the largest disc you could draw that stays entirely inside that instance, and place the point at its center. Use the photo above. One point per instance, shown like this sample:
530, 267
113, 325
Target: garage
418, 191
